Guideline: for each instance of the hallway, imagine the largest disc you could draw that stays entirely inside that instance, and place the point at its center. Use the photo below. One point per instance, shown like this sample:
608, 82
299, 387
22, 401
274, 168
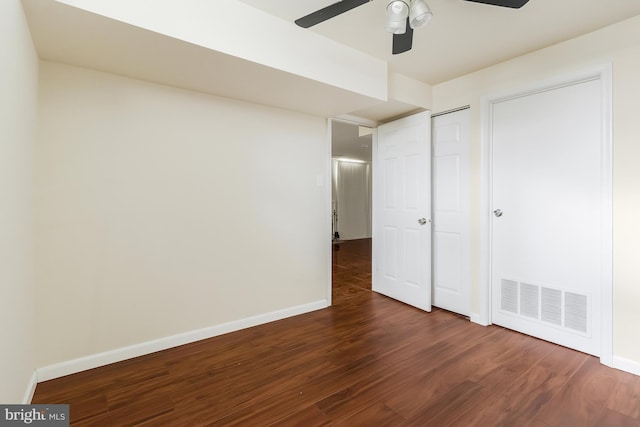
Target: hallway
351, 268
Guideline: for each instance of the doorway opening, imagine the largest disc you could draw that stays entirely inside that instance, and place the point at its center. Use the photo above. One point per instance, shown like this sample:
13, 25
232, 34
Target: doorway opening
351, 210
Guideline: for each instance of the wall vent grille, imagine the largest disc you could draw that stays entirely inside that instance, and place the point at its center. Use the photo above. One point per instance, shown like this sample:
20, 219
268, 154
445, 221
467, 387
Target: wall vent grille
557, 307
529, 300
551, 306
575, 311
509, 300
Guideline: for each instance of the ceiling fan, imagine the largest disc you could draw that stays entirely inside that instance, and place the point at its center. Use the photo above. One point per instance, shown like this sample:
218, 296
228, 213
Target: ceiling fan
403, 16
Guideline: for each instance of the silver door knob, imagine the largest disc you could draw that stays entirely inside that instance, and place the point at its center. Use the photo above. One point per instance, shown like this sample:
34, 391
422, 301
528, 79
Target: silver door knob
423, 221
498, 213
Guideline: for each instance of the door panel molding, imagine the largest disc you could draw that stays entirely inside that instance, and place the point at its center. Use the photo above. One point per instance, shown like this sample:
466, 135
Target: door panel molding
451, 207
603, 74
402, 209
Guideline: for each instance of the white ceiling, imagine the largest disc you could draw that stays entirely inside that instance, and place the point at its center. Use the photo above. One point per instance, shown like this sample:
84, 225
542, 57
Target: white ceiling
69, 35
463, 36
347, 143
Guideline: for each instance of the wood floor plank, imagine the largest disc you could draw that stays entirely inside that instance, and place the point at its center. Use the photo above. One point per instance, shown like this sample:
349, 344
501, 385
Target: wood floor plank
534, 423
367, 360
511, 360
474, 361
403, 365
310, 416
582, 401
90, 407
625, 399
400, 370
382, 384
613, 418
379, 413
144, 410
446, 409
520, 401
284, 401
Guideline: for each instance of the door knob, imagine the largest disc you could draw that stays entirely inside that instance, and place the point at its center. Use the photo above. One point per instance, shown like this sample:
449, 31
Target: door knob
498, 213
423, 221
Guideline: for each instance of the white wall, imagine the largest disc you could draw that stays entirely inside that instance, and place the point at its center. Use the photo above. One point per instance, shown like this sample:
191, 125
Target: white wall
352, 198
162, 211
620, 45
18, 109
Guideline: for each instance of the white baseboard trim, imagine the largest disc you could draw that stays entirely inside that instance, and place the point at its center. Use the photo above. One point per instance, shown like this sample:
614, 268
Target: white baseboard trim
101, 359
31, 388
626, 365
479, 319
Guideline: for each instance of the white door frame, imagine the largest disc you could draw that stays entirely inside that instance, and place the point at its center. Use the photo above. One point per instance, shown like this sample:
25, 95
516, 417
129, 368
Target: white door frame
356, 121
328, 182
604, 75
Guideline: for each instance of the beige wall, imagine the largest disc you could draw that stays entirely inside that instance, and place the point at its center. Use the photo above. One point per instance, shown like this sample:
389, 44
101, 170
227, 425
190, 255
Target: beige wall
18, 109
619, 45
162, 211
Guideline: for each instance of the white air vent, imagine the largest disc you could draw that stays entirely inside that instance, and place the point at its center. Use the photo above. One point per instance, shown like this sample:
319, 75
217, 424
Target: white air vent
529, 300
509, 296
552, 306
575, 311
563, 309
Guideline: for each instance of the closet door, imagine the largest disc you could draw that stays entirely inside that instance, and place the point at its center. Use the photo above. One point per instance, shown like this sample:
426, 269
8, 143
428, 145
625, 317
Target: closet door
547, 221
402, 211
451, 213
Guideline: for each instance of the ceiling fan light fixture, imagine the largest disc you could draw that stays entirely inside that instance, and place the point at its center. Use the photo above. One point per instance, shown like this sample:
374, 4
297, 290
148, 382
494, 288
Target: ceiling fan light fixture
397, 13
419, 14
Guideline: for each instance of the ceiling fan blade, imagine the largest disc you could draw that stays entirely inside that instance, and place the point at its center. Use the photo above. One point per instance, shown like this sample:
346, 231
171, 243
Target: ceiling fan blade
329, 12
403, 42
515, 4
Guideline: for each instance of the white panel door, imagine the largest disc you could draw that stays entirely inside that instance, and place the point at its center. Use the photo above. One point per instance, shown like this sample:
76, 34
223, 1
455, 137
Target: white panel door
451, 213
402, 209
547, 203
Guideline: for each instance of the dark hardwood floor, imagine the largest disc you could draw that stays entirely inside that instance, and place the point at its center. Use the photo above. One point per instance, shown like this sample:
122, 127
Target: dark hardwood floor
366, 361
351, 268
